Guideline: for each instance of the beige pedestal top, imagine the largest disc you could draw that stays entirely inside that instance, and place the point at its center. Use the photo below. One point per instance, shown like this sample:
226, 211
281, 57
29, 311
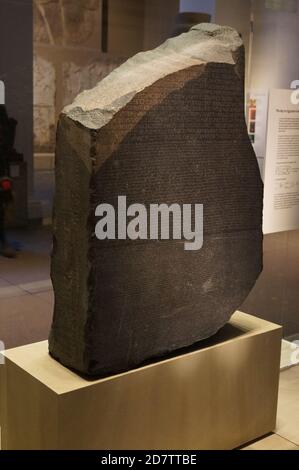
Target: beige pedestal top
220, 394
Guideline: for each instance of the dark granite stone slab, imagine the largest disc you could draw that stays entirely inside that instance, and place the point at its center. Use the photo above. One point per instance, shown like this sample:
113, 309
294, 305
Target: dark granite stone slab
181, 139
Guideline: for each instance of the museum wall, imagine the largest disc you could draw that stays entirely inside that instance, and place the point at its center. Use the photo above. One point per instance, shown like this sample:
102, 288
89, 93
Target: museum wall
16, 72
200, 6
274, 63
159, 21
275, 58
236, 13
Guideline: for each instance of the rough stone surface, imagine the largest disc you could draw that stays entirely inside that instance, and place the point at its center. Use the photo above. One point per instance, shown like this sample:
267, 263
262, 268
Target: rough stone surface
165, 127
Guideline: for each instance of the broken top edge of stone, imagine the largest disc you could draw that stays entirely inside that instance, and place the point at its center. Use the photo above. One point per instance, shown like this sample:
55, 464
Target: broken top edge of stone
204, 43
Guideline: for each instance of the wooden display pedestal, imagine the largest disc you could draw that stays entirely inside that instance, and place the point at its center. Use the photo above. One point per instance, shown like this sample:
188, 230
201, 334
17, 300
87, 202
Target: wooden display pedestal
219, 395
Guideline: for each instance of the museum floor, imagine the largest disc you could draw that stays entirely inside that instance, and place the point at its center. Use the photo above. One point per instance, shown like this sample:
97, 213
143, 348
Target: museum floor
26, 297
26, 304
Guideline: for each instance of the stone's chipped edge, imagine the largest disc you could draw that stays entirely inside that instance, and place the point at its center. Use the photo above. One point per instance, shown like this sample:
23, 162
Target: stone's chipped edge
204, 43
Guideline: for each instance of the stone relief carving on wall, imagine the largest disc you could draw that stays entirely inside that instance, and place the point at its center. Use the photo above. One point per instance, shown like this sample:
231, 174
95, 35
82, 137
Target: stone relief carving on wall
61, 29
44, 78
67, 22
77, 78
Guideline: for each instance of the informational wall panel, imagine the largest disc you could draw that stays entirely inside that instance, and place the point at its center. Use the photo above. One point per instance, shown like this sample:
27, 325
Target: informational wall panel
281, 199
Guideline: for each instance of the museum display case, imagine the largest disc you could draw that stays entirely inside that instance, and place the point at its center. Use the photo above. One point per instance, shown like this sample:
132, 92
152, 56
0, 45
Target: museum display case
149, 228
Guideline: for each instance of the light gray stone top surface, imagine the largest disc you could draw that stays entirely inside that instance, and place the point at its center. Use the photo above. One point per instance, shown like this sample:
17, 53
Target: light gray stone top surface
204, 43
